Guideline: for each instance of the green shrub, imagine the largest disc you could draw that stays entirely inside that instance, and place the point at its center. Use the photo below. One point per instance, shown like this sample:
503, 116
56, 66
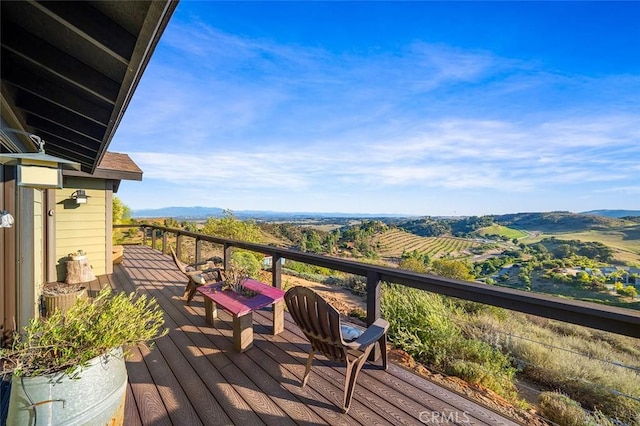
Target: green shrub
629, 291
423, 324
246, 262
308, 268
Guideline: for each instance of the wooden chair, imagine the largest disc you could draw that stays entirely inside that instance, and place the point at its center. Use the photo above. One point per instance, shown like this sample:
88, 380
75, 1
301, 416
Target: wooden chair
321, 324
195, 276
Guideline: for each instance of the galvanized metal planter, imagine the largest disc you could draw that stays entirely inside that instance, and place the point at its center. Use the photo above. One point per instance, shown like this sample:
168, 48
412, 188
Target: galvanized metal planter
96, 397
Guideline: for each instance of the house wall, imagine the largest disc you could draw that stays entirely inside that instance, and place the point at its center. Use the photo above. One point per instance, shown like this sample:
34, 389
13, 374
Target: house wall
30, 249
38, 250
7, 257
82, 226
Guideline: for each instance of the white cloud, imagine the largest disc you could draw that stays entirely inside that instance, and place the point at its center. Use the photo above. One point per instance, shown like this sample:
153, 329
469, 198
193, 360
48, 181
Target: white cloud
455, 154
234, 115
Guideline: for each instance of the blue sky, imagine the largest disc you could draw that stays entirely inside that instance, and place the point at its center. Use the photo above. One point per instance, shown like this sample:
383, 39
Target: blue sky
417, 108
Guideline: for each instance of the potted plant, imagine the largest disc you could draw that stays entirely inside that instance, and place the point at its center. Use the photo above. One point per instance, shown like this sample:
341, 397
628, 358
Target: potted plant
235, 278
61, 296
70, 368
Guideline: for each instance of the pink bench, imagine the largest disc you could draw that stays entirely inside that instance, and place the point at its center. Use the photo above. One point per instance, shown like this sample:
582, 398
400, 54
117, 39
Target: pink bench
241, 309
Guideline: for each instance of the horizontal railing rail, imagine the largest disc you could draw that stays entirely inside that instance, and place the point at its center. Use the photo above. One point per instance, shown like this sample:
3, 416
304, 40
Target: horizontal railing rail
602, 317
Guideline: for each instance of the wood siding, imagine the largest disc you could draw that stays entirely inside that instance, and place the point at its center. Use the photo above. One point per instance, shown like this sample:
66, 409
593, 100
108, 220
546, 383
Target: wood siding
8, 256
81, 227
30, 276
39, 263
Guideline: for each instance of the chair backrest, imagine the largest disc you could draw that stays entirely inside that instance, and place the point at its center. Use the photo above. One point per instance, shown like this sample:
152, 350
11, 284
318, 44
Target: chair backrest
180, 264
318, 320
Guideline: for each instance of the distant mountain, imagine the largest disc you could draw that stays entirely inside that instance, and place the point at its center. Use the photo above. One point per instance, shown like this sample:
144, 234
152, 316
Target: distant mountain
614, 213
205, 212
179, 212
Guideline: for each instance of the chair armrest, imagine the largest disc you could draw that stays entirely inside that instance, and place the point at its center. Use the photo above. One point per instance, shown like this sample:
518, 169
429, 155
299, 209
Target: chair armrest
212, 270
207, 276
371, 335
203, 271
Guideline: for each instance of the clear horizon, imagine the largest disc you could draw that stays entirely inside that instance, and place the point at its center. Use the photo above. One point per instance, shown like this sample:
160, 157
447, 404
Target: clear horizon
364, 215
409, 108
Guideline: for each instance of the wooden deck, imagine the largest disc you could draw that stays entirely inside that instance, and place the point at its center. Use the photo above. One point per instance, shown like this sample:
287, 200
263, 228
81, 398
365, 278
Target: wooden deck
193, 376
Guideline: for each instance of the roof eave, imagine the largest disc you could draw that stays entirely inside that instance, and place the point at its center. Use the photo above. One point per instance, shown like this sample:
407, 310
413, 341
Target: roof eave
155, 23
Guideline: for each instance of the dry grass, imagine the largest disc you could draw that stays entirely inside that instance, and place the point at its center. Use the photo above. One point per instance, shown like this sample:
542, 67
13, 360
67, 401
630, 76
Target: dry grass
625, 241
564, 411
576, 360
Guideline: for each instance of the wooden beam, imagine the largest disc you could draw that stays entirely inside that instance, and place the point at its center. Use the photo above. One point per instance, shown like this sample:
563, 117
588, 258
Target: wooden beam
228, 249
155, 21
179, 246
153, 237
88, 23
109, 223
55, 62
51, 274
373, 307
64, 97
165, 242
8, 257
276, 270
42, 108
198, 254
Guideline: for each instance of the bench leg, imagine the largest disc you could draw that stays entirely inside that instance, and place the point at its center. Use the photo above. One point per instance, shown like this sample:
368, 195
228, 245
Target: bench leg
243, 332
210, 311
278, 317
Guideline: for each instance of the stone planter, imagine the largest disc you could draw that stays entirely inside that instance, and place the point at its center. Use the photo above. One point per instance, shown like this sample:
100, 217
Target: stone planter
96, 397
62, 301
79, 271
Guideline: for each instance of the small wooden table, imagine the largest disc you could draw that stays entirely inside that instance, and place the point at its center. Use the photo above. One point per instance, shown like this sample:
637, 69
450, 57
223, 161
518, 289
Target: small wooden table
241, 308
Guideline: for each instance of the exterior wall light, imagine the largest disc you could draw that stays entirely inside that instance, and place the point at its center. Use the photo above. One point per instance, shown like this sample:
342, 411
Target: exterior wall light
36, 169
80, 196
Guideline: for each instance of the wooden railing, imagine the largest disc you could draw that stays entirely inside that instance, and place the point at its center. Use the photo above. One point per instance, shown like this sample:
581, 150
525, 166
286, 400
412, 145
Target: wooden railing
602, 317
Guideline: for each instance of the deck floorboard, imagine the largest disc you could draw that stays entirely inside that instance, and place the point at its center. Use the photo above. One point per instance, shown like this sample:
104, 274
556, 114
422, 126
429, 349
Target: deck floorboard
193, 376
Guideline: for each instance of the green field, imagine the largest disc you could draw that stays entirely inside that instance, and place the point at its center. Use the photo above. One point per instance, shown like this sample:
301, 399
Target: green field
394, 242
496, 229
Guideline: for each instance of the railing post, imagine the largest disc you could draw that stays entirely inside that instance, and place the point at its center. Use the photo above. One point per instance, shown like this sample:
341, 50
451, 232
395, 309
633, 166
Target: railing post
276, 271
153, 238
164, 241
144, 235
198, 254
179, 245
227, 256
373, 306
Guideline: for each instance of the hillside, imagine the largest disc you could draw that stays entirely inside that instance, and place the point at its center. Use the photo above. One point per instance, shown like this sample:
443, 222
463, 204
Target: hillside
496, 229
550, 222
392, 243
614, 213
